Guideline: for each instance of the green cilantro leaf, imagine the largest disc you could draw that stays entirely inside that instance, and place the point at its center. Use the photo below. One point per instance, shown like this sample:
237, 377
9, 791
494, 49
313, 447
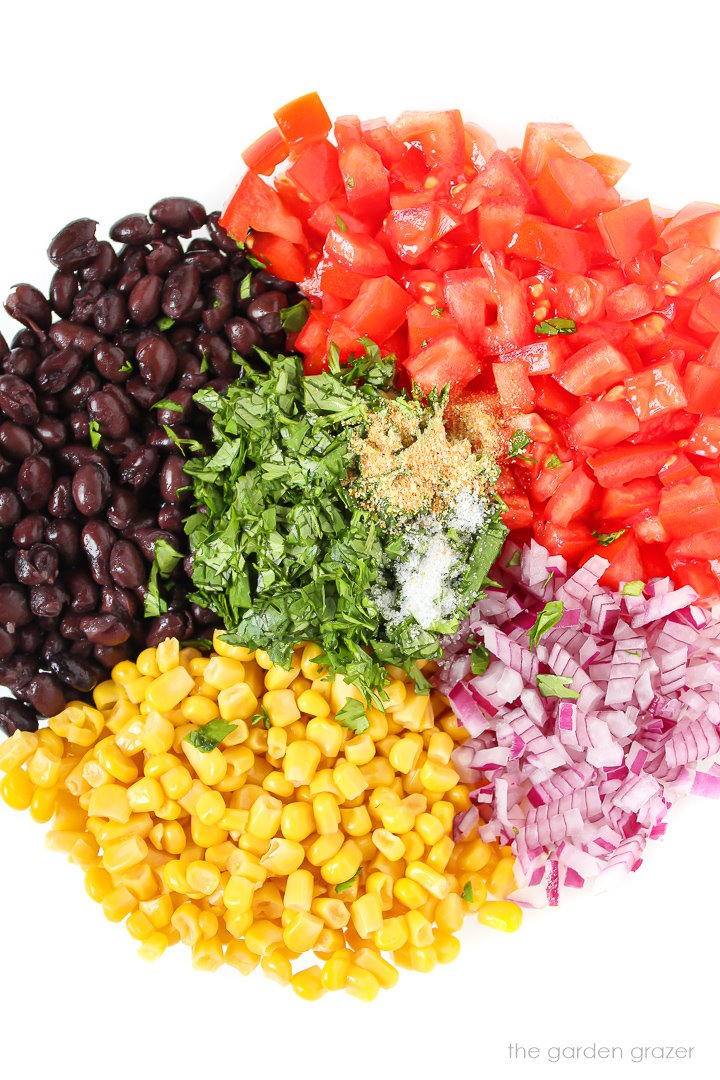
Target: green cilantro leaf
95, 435
204, 644
467, 893
352, 716
553, 462
479, 660
245, 286
351, 182
518, 441
294, 318
605, 539
204, 366
166, 557
256, 262
217, 302
164, 322
206, 737
633, 588
551, 327
550, 616
559, 686
340, 223
192, 444
127, 366
154, 604
424, 344
514, 560
438, 312
166, 403
548, 579
344, 885
261, 718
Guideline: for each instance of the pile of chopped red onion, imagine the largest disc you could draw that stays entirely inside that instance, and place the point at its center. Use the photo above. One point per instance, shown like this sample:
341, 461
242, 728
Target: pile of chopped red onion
578, 784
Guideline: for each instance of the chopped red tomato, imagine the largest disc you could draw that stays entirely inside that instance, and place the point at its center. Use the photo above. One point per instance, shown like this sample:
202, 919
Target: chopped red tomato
316, 171
519, 513
379, 309
622, 504
697, 223
625, 560
705, 439
701, 384
552, 245
266, 153
688, 266
571, 542
600, 424
427, 321
411, 231
360, 254
655, 391
256, 206
625, 463
690, 509
570, 191
284, 260
303, 120
572, 498
365, 179
513, 385
446, 361
440, 136
543, 141
594, 369
498, 179
628, 230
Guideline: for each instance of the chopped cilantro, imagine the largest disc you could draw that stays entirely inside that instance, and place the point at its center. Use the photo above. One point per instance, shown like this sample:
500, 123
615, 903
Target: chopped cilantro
261, 718
605, 539
551, 327
344, 885
95, 435
633, 588
351, 182
217, 303
340, 223
206, 737
550, 616
548, 579
438, 312
256, 262
127, 366
514, 560
553, 462
245, 287
236, 358
204, 366
205, 644
166, 557
352, 716
192, 444
518, 441
479, 660
154, 604
559, 686
166, 403
467, 893
294, 318
424, 344
164, 322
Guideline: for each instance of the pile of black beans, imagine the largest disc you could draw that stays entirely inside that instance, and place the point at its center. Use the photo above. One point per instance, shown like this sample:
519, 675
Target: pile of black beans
89, 477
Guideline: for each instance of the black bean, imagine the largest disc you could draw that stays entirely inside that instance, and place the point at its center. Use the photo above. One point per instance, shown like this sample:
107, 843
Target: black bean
104, 268
138, 467
27, 305
79, 425
181, 415
135, 229
45, 694
107, 412
77, 394
109, 312
242, 335
128, 281
75, 245
108, 656
84, 338
105, 629
18, 401
173, 478
157, 362
91, 489
80, 673
269, 280
4, 347
21, 362
65, 536
144, 300
220, 238
74, 455
17, 671
58, 370
146, 537
84, 305
29, 530
47, 601
180, 290
122, 508
51, 432
37, 566
17, 442
173, 624
30, 638
97, 540
132, 258
15, 716
208, 260
118, 601
265, 311
34, 482
112, 363
71, 627
10, 507
163, 255
60, 503
8, 642
63, 290
216, 352
126, 565
143, 395
26, 339
182, 215
6, 467
84, 593
170, 518
14, 608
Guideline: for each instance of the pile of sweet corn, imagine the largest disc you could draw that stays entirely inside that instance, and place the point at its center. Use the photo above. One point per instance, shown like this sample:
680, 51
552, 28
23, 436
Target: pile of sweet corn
293, 835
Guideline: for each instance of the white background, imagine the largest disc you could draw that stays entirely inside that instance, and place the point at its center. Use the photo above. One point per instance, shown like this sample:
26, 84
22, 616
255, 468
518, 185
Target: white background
107, 107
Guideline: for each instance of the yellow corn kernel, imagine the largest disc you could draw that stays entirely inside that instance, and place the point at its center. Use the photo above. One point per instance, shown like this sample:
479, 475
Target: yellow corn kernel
300, 762
384, 972
460, 798
396, 691
238, 956
209, 767
322, 783
360, 750
283, 856
237, 702
414, 847
310, 669
449, 913
313, 704
173, 876
361, 983
440, 854
207, 954
210, 808
299, 891
261, 769
473, 891
136, 690
276, 743
42, 806
392, 935
446, 947
326, 814
336, 969
349, 780
62, 842
235, 821
18, 749
308, 984
176, 782
202, 877
438, 777
223, 672
110, 801
366, 914
267, 903
169, 811
139, 926
382, 886
280, 678
432, 881
405, 753
265, 815
277, 967
185, 920
159, 910
501, 915
409, 893
328, 735
502, 881
397, 817
112, 759
334, 912
389, 844
422, 959
123, 853
439, 748
95, 776
224, 648
167, 654
44, 768
145, 794
106, 694
302, 931
167, 691
219, 854
206, 835
153, 946
342, 866
411, 713
124, 672
444, 811
356, 821
420, 932
281, 707
245, 864
198, 709
147, 662
297, 821
118, 903
341, 692
262, 936
98, 883
158, 733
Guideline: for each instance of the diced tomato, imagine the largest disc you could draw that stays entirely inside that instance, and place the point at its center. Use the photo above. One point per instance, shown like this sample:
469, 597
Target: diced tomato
284, 260
572, 498
679, 470
479, 144
702, 545
655, 391
316, 171
628, 229
440, 135
600, 424
570, 191
469, 298
514, 387
361, 254
579, 298
624, 463
594, 369
266, 153
378, 135
445, 361
610, 168
629, 302
303, 120
622, 504
690, 509
497, 223
697, 223
696, 574
365, 179
498, 179
547, 481
563, 249
688, 266
338, 281
543, 141
702, 388
312, 342
705, 315
519, 513
328, 215
257, 206
378, 310
625, 561
543, 357
571, 542
649, 530
412, 231
425, 322
705, 439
